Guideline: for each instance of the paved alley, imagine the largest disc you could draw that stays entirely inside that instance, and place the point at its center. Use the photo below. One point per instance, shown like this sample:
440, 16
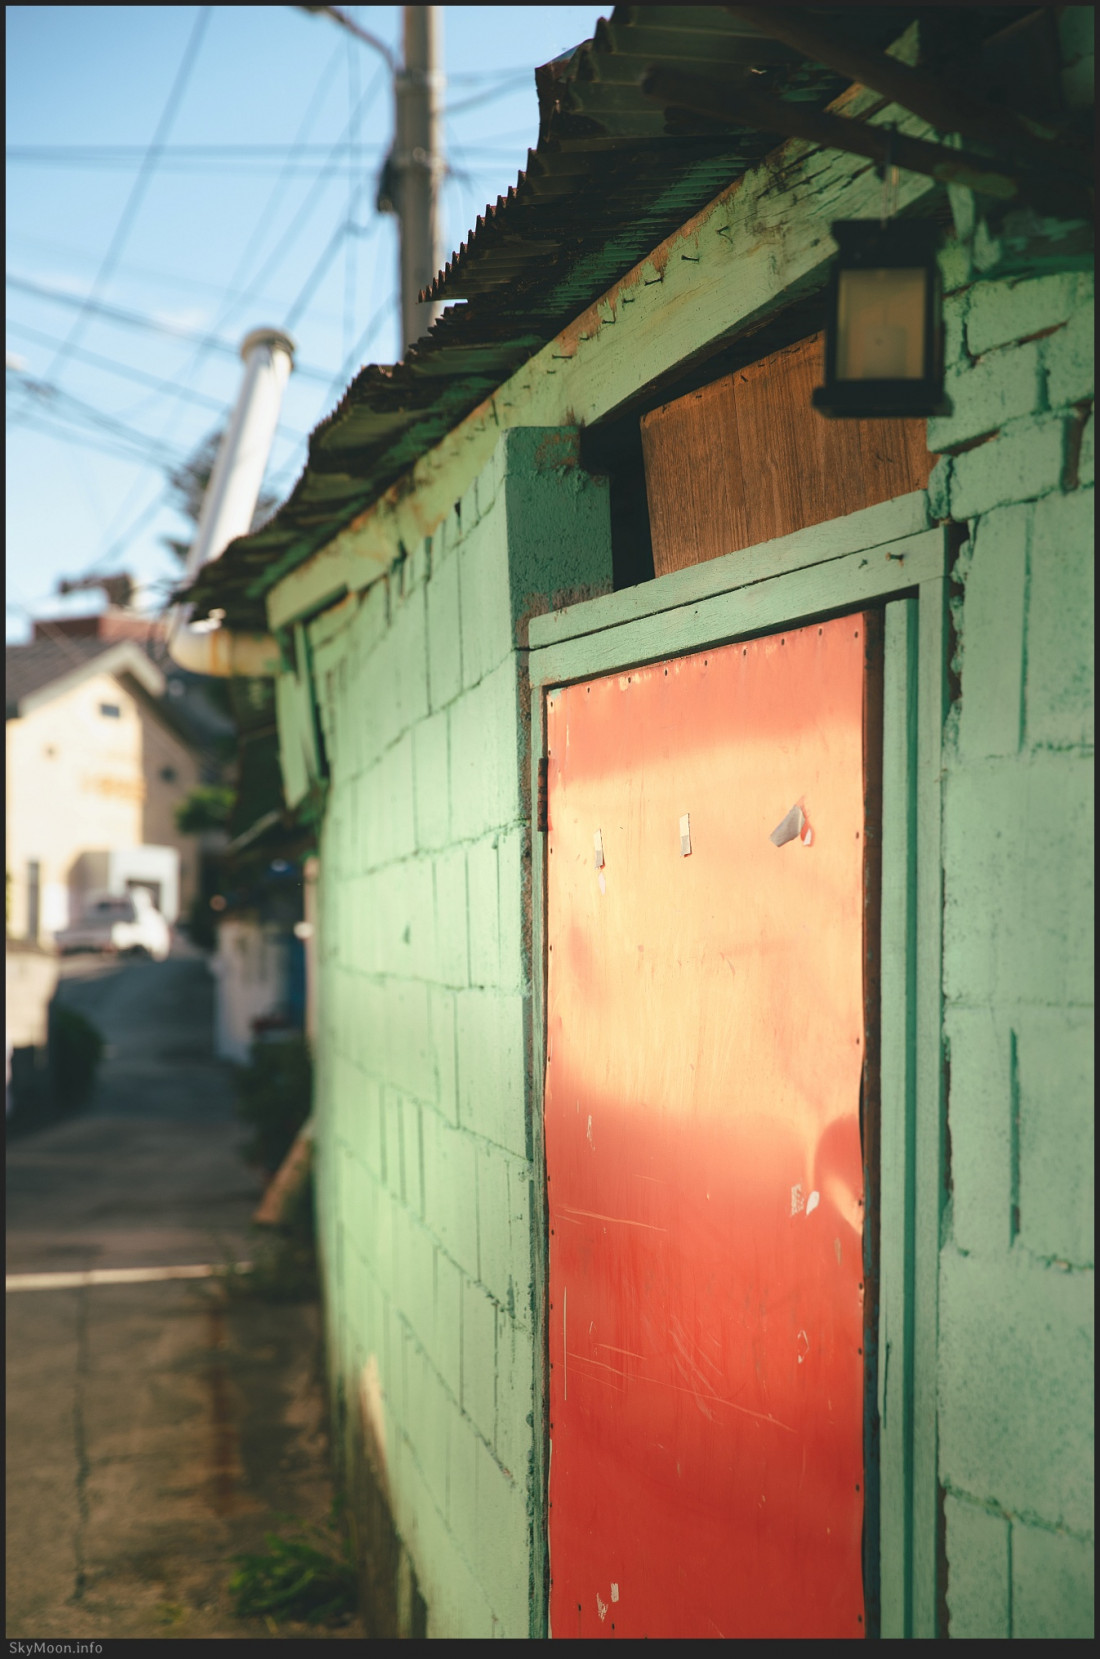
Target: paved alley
153, 1428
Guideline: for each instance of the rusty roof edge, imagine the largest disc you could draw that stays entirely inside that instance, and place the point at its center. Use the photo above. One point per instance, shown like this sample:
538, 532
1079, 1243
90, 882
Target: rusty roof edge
294, 541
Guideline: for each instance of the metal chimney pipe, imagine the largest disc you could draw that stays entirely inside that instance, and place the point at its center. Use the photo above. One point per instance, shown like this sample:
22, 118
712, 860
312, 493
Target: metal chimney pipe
228, 506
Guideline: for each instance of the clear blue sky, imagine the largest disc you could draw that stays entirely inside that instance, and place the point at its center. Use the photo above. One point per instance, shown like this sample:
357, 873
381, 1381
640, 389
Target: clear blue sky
209, 240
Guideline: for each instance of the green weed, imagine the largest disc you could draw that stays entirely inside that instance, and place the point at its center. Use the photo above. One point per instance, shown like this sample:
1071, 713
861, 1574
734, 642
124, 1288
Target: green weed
308, 1577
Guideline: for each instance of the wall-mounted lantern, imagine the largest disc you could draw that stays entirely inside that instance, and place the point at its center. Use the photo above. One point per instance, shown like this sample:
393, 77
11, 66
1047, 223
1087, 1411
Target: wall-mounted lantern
884, 323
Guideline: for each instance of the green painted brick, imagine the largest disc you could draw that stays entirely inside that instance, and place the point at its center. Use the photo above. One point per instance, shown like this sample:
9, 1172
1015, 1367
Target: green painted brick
450, 1190
1018, 881
431, 782
558, 523
503, 1226
502, 1528
939, 489
1061, 622
515, 1391
987, 394
484, 749
980, 1110
446, 1344
404, 918
458, 1607
413, 1156
462, 1480
413, 1285
1070, 359
978, 1587
409, 1050
1015, 1385
444, 1051
1057, 1116
993, 634
1052, 1585
1024, 460
479, 1359
1012, 309
430, 1410
491, 1077
484, 914
485, 607
514, 906
444, 642
451, 911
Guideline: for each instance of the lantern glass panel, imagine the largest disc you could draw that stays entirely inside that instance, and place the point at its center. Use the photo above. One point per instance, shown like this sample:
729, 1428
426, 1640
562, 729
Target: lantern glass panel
881, 324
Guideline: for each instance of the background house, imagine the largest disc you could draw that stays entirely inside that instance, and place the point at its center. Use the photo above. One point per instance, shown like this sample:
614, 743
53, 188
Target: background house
602, 467
102, 747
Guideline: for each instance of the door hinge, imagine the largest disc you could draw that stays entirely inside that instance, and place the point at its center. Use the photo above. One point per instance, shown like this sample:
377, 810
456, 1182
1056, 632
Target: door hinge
542, 821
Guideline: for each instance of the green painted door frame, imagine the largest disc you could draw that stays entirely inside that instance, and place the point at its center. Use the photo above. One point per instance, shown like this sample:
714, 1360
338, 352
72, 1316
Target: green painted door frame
886, 556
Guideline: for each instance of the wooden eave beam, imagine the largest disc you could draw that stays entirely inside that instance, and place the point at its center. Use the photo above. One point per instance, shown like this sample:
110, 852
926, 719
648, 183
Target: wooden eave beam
740, 107
1023, 141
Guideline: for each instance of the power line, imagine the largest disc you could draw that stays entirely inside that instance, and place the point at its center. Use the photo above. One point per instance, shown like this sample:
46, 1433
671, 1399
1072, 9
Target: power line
169, 388
64, 406
133, 319
208, 343
141, 183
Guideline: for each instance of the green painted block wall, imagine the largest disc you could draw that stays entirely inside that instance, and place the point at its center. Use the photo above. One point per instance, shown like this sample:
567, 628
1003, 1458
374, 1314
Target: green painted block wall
1015, 1358
425, 1179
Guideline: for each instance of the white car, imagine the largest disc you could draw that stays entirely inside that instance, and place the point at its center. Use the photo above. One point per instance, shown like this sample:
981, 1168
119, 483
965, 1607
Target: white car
118, 923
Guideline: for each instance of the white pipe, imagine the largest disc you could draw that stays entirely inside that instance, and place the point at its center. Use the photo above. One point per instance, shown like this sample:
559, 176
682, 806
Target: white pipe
227, 508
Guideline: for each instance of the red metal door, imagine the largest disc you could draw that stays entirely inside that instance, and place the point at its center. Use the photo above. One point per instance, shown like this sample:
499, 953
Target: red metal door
704, 1049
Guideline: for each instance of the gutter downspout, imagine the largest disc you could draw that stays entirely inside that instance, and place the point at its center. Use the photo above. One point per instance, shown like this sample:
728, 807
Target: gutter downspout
227, 508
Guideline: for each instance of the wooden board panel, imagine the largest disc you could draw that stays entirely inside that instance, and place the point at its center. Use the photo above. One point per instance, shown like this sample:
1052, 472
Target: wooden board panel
705, 1035
748, 459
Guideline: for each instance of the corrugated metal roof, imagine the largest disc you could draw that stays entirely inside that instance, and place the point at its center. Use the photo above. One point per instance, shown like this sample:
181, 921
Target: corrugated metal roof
612, 175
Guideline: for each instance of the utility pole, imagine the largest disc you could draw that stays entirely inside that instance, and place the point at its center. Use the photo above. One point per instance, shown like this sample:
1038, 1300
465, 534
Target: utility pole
418, 165
411, 178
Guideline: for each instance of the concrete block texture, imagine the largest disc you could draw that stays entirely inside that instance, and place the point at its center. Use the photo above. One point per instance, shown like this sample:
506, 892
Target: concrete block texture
482, 887
981, 1106
504, 1227
1069, 357
479, 1358
558, 523
491, 1074
450, 1191
485, 744
1055, 1049
1061, 623
444, 633
1052, 1585
1002, 312
1018, 881
514, 906
452, 963
1023, 461
504, 1541
993, 621
432, 781
978, 1583
1015, 1386
998, 388
485, 604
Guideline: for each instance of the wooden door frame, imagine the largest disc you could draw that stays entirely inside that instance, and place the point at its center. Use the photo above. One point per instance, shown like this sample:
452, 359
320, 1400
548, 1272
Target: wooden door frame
886, 556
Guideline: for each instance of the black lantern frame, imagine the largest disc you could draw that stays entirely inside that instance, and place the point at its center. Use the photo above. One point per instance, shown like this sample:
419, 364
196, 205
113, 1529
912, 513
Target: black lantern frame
868, 247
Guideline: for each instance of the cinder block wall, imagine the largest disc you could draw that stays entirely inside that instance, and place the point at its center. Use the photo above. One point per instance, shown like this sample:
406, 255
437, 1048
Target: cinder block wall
1015, 1310
426, 1187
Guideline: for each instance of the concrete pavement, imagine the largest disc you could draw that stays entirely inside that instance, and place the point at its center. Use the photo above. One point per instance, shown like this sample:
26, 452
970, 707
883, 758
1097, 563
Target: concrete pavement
153, 1429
